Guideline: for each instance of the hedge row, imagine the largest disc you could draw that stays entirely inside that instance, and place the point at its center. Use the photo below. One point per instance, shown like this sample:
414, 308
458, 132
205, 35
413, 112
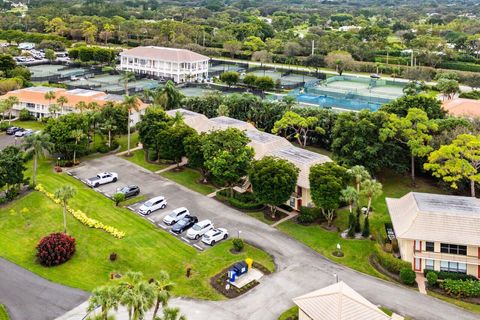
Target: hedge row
388, 261
462, 66
244, 201
462, 288
443, 275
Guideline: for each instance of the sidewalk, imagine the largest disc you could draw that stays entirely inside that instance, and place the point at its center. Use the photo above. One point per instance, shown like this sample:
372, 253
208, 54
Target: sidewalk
421, 282
290, 215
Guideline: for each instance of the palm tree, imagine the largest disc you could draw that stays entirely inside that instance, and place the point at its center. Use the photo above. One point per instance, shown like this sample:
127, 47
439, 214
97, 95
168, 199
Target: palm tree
172, 314
350, 195
359, 173
371, 188
3, 109
171, 97
108, 126
126, 77
61, 101
37, 144
130, 103
53, 108
93, 106
81, 105
65, 193
162, 287
10, 102
177, 118
50, 95
77, 135
107, 297
135, 294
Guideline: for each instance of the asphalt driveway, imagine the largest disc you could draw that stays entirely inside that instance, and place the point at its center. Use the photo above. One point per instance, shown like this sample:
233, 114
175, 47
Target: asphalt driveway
299, 269
28, 296
7, 140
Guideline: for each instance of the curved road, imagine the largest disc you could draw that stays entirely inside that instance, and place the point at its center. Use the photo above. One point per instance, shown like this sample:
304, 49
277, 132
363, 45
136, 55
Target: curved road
31, 297
299, 268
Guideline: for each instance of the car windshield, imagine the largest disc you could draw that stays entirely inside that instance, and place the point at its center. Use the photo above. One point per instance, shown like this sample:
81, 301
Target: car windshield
197, 227
172, 214
148, 204
182, 222
125, 189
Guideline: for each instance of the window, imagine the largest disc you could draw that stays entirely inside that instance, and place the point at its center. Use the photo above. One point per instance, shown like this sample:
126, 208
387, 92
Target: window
429, 246
429, 264
453, 266
453, 249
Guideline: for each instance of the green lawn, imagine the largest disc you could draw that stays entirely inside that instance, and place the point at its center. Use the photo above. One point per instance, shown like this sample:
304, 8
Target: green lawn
260, 216
357, 252
145, 247
34, 125
3, 313
291, 313
189, 178
138, 157
123, 141
133, 200
462, 304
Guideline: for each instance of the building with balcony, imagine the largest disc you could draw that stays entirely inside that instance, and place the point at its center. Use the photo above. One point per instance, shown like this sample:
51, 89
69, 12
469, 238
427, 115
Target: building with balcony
179, 65
438, 232
264, 144
33, 99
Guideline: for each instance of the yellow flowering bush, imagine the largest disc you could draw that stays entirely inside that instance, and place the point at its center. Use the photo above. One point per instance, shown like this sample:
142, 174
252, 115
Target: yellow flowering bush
82, 217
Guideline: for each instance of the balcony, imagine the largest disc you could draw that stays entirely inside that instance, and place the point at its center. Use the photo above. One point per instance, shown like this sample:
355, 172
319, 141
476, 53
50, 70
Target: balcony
447, 257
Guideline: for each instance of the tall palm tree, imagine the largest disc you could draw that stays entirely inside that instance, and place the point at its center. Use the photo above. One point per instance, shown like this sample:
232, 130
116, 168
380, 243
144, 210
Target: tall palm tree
136, 295
108, 126
371, 188
107, 297
3, 109
77, 135
172, 314
53, 108
130, 103
162, 287
50, 95
125, 78
62, 101
10, 102
350, 196
171, 97
64, 194
37, 144
81, 105
359, 173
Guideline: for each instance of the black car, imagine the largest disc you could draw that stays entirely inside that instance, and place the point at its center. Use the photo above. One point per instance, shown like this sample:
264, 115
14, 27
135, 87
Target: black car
12, 130
129, 191
184, 224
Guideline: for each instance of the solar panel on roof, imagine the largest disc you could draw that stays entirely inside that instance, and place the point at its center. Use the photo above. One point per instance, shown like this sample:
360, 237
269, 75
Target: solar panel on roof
42, 89
447, 204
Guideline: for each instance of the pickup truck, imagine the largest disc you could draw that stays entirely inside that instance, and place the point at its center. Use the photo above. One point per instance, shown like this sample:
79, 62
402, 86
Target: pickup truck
102, 178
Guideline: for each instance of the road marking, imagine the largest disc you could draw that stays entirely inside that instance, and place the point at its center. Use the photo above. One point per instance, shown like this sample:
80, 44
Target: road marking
176, 235
198, 247
131, 208
69, 173
185, 239
162, 226
153, 221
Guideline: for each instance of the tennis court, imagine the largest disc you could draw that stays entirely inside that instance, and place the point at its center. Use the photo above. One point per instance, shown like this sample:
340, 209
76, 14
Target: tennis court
285, 78
49, 70
195, 92
112, 83
225, 67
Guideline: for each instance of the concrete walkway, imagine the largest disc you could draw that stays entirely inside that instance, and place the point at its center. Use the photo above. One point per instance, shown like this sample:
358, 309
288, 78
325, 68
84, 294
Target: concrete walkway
131, 150
290, 215
420, 279
173, 166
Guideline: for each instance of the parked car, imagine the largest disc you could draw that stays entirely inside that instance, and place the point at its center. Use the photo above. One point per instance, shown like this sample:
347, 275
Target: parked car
199, 229
184, 224
102, 178
23, 133
12, 130
215, 235
176, 215
129, 191
153, 205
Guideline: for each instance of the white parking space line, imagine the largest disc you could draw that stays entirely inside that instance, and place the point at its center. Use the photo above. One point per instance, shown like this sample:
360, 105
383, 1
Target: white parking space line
176, 235
162, 226
185, 239
153, 221
198, 247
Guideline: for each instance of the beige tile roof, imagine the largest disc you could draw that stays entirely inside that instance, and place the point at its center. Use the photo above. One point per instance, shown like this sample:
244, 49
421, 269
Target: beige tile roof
165, 54
338, 302
37, 95
435, 217
461, 107
264, 144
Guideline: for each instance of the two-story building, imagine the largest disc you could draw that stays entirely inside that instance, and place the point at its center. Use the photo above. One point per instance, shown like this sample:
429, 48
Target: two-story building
264, 144
180, 65
438, 232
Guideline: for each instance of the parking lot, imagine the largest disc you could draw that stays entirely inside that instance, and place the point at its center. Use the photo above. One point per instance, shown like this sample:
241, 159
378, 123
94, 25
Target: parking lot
7, 140
152, 185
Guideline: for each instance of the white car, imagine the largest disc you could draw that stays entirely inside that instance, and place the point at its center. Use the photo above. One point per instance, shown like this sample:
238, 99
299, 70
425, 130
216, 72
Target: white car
175, 216
153, 205
24, 133
102, 178
199, 229
215, 235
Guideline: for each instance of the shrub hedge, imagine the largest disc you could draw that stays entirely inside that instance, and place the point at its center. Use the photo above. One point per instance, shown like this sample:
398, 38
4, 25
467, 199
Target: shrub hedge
443, 275
244, 201
309, 215
407, 275
462, 288
388, 261
55, 249
432, 278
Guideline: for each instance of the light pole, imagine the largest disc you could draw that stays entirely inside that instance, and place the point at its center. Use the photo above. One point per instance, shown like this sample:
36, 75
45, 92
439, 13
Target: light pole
336, 277
58, 161
238, 234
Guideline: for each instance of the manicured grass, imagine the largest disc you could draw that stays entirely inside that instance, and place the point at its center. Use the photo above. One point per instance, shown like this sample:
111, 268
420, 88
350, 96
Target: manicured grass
133, 200
3, 313
357, 252
260, 216
145, 247
291, 313
462, 304
138, 157
189, 178
123, 141
34, 125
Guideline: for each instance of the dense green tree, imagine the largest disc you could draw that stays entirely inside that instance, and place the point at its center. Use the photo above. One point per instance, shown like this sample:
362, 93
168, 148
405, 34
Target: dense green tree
327, 181
154, 121
170, 141
230, 77
171, 97
12, 167
273, 181
432, 106
339, 60
292, 125
59, 130
193, 151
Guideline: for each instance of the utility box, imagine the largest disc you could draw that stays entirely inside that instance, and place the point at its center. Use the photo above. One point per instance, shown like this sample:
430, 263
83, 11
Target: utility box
240, 268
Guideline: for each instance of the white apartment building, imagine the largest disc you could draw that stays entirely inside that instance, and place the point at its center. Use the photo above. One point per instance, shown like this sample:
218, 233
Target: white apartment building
180, 65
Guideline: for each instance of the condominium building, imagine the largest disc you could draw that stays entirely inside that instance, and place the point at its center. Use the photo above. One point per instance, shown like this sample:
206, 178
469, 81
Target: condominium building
438, 232
264, 144
35, 101
179, 65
